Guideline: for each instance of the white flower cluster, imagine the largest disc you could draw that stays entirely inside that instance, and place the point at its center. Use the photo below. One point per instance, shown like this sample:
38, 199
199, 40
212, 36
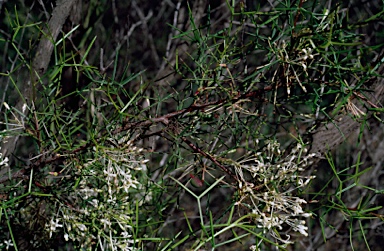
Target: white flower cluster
267, 189
3, 161
104, 199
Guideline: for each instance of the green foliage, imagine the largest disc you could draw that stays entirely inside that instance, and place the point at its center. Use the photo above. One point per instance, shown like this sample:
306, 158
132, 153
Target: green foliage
213, 150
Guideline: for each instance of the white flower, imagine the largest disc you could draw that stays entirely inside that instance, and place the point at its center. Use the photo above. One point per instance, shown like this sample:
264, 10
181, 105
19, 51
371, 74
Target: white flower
304, 66
6, 106
66, 237
53, 225
4, 162
302, 229
126, 235
94, 203
24, 108
276, 178
82, 227
8, 243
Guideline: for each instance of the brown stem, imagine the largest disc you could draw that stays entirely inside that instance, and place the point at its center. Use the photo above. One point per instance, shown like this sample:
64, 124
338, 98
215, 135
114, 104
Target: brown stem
208, 156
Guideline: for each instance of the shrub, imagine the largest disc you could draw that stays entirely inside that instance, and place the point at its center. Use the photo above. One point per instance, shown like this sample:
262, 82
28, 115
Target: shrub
107, 146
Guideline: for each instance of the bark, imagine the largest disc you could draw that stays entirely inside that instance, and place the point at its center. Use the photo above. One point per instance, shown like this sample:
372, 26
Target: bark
329, 136
39, 67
